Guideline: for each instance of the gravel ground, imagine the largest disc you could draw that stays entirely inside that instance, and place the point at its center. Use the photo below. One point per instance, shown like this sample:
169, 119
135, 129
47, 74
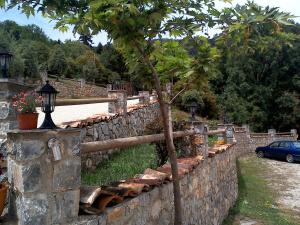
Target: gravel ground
78, 112
284, 178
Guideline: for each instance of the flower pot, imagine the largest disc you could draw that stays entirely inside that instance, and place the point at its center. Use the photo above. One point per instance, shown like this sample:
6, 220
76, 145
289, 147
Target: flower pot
3, 194
28, 121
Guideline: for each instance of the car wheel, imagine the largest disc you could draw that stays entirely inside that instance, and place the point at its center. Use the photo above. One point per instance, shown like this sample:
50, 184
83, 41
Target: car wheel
260, 154
289, 158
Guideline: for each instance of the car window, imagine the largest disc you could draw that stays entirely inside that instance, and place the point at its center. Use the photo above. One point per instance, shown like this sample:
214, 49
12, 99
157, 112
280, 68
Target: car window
274, 145
284, 144
297, 144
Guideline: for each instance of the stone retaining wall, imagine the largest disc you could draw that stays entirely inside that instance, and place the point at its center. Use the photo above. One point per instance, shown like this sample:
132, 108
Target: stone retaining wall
208, 192
265, 140
131, 124
248, 143
73, 89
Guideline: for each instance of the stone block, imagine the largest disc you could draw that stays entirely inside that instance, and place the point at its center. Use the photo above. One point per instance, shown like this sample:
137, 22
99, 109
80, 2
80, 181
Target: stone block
4, 110
27, 177
115, 215
33, 210
28, 150
66, 206
74, 146
66, 174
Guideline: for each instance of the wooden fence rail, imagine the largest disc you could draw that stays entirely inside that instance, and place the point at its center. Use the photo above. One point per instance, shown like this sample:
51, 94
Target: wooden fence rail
129, 142
134, 97
65, 102
213, 132
138, 140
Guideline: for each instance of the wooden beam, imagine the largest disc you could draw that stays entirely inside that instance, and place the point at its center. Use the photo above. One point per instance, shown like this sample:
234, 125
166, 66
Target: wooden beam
134, 97
128, 142
213, 132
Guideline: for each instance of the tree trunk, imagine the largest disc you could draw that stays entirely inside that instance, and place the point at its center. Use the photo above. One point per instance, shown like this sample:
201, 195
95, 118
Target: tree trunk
168, 136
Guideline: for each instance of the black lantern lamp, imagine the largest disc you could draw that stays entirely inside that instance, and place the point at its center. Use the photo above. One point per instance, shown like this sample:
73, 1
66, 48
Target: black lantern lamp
48, 104
193, 109
5, 59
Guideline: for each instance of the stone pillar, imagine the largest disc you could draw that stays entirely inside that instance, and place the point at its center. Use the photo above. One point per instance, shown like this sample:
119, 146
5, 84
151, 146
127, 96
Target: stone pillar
8, 117
120, 105
44, 173
271, 134
222, 137
82, 82
229, 134
109, 87
144, 97
294, 132
198, 143
154, 95
246, 127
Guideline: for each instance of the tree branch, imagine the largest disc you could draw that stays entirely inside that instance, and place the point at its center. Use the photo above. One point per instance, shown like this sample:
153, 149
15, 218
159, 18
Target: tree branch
173, 99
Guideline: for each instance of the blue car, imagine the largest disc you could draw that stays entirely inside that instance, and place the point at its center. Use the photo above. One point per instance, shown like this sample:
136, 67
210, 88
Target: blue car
288, 150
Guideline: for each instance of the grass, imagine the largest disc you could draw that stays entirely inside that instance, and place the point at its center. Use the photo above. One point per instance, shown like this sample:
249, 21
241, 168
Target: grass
256, 200
122, 165
212, 140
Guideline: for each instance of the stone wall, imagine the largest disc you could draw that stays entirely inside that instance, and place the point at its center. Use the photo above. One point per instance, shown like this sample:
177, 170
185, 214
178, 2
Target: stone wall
131, 124
73, 89
208, 192
248, 142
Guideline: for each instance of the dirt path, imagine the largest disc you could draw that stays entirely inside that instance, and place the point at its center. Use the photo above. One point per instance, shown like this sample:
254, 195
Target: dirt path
284, 178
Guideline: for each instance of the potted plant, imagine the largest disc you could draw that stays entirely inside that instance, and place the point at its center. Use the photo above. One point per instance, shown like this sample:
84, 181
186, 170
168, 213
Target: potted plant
26, 103
3, 187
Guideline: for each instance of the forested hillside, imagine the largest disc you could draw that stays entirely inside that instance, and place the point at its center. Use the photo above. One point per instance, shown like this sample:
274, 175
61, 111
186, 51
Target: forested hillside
34, 52
259, 76
249, 74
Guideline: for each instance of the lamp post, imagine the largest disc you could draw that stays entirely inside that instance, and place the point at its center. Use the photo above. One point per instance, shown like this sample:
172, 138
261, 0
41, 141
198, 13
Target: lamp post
48, 104
193, 109
5, 59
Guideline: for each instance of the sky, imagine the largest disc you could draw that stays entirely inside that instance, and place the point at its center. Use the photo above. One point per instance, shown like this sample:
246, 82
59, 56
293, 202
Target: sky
292, 6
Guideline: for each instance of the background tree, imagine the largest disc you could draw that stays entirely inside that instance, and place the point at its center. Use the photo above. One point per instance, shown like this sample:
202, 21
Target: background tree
86, 39
57, 63
30, 62
257, 68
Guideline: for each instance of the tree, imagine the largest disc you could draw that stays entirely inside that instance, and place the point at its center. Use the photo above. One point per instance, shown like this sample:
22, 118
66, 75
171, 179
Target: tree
99, 48
112, 59
90, 71
86, 39
57, 62
257, 68
30, 62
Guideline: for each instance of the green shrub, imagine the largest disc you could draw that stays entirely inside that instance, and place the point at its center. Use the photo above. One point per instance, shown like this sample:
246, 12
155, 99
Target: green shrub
192, 96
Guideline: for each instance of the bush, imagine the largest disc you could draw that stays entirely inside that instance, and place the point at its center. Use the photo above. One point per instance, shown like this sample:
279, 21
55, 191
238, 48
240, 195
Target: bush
192, 96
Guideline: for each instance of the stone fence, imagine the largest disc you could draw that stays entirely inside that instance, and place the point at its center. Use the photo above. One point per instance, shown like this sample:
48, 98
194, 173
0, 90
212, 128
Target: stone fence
132, 124
44, 172
208, 192
250, 141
